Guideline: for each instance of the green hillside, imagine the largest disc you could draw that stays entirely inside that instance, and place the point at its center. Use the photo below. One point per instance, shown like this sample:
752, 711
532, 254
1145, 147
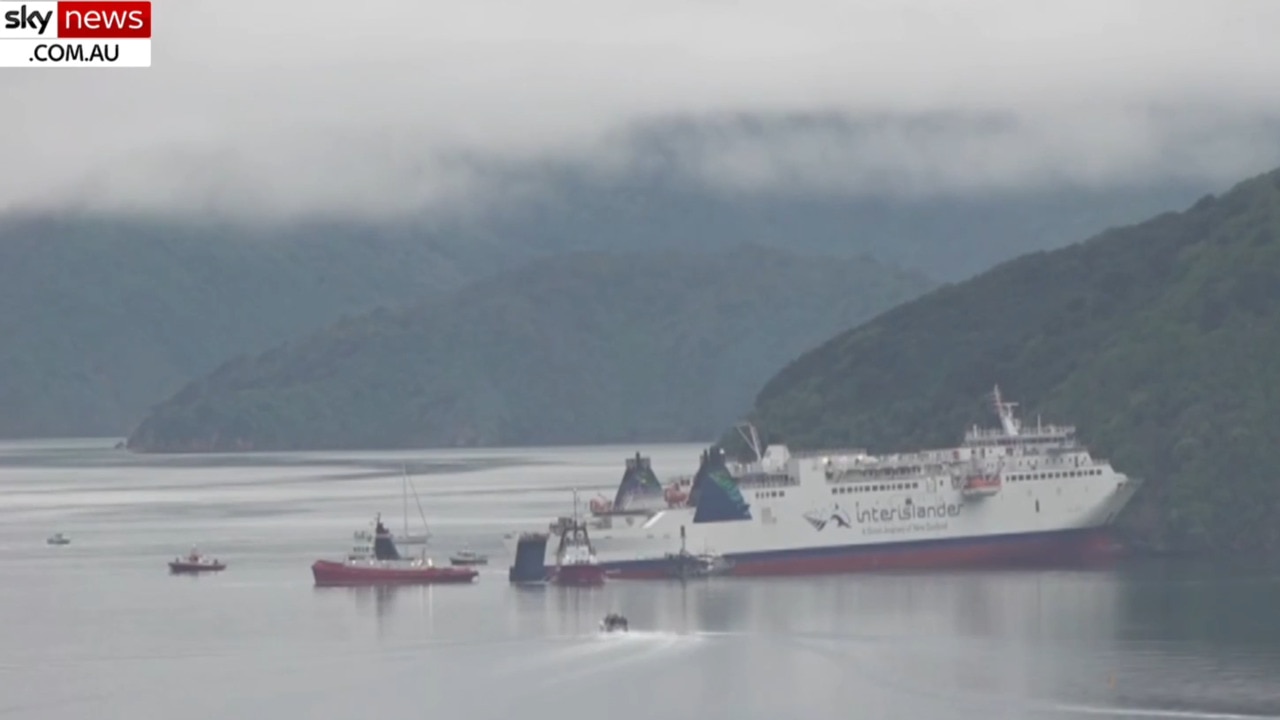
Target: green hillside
1161, 341
100, 318
580, 348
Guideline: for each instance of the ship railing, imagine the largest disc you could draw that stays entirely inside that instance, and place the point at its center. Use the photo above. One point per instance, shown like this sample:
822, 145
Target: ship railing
831, 453
770, 480
1035, 432
853, 475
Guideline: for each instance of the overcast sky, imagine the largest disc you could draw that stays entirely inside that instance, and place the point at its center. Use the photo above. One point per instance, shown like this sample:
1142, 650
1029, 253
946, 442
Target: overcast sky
297, 106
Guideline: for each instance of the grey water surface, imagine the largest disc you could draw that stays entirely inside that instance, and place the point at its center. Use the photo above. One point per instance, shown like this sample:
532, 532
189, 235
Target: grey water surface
98, 629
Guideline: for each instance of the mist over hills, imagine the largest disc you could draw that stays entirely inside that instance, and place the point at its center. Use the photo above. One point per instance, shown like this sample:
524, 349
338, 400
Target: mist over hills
105, 315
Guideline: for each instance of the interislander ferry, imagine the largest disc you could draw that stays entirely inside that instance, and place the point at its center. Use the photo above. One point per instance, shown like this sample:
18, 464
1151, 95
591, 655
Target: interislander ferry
1006, 496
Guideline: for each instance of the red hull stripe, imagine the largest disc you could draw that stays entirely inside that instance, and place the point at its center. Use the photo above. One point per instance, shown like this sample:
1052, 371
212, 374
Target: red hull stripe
580, 575
1067, 547
327, 572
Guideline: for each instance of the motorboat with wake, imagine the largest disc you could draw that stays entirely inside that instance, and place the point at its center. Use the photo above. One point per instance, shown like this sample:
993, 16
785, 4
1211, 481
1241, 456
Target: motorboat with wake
382, 564
613, 622
195, 562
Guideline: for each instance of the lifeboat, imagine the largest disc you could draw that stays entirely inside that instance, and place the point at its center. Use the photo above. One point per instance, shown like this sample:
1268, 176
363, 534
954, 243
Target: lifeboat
674, 496
980, 486
383, 565
600, 506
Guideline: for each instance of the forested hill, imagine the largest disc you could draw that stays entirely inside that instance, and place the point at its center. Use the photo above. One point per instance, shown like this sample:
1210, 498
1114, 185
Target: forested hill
581, 348
102, 317
1159, 340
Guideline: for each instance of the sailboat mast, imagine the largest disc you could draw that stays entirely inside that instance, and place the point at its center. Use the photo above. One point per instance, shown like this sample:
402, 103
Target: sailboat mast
404, 492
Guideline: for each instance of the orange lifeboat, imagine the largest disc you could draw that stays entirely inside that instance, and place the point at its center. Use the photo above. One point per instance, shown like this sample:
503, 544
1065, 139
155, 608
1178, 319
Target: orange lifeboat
979, 485
674, 496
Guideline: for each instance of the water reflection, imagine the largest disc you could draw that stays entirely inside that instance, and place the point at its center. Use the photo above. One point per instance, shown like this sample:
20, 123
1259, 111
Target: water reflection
101, 618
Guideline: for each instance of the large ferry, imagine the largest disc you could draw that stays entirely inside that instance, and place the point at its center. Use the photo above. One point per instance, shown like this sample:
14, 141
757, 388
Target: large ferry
1005, 496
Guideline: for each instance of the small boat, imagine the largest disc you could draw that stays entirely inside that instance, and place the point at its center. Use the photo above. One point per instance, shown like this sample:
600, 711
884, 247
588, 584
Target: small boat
382, 564
685, 565
613, 622
194, 562
576, 562
58, 539
467, 557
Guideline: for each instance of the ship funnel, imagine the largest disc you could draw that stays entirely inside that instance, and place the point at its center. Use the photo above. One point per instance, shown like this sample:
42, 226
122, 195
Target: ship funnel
383, 547
638, 483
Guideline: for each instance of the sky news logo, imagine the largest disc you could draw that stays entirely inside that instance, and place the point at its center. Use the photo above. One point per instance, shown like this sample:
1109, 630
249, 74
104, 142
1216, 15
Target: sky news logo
82, 33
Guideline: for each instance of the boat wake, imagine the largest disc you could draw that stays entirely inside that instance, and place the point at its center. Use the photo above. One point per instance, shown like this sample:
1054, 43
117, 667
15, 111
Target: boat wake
596, 653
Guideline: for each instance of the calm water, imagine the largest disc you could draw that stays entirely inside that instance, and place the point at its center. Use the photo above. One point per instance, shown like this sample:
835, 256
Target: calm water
98, 629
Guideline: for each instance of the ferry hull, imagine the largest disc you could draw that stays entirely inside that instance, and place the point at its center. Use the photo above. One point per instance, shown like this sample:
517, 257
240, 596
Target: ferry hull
1042, 549
328, 573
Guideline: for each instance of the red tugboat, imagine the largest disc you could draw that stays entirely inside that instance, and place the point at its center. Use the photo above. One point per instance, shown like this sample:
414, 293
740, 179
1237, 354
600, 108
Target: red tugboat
385, 566
194, 562
576, 562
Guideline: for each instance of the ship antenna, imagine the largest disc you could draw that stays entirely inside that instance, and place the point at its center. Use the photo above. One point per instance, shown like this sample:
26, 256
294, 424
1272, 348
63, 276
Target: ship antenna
749, 434
1005, 411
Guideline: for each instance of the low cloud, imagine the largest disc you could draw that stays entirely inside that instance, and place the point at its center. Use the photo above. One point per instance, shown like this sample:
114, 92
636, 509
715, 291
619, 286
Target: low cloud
293, 107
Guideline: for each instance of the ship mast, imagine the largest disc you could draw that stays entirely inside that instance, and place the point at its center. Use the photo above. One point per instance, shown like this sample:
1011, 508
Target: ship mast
752, 438
1005, 411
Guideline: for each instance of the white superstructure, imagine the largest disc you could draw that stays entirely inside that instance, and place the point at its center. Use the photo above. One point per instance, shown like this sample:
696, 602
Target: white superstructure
1007, 493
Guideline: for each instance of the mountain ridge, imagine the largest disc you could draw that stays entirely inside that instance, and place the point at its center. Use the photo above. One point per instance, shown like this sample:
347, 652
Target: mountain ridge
585, 347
